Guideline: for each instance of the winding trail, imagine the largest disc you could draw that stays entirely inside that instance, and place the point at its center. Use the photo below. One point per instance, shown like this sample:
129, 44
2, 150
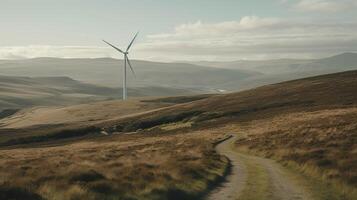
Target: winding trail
235, 181
274, 182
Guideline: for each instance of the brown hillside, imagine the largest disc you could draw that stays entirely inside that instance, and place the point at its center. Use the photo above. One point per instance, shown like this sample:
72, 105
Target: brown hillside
316, 93
308, 123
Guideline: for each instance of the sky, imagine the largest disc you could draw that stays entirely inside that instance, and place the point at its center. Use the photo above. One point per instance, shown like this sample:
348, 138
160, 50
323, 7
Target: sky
178, 30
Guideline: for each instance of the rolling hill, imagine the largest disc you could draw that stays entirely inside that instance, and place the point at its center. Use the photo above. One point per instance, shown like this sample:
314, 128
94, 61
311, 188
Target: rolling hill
178, 78
274, 71
21, 92
207, 76
336, 63
309, 125
108, 72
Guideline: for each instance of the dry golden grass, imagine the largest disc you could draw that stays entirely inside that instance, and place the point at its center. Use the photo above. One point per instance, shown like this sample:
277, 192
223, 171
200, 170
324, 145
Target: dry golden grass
174, 126
43, 121
80, 114
320, 143
311, 122
171, 166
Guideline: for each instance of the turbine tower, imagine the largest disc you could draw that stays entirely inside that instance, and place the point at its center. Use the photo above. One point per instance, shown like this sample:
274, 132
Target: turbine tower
126, 60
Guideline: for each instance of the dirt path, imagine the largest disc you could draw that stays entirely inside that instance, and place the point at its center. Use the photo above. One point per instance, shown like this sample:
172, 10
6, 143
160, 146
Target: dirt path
235, 181
256, 178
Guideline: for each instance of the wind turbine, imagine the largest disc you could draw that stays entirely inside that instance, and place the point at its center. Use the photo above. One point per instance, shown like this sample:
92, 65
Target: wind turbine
126, 60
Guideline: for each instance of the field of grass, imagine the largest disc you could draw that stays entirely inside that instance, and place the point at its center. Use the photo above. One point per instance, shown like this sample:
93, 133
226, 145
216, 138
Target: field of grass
80, 114
308, 123
320, 144
167, 152
173, 166
39, 124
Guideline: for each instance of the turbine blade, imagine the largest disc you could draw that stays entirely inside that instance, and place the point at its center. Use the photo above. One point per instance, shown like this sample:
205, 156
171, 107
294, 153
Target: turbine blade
131, 68
116, 48
132, 41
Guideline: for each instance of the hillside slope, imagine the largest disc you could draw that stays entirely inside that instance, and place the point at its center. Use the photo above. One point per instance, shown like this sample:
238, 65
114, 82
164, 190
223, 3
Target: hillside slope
21, 92
203, 76
310, 122
108, 72
81, 114
336, 63
308, 125
274, 71
309, 94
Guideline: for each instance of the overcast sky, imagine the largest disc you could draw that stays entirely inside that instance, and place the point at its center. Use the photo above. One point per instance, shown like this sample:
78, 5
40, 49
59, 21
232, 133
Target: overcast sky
178, 30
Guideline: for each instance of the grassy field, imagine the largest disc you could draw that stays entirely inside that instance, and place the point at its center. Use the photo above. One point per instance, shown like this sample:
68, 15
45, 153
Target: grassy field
321, 144
44, 123
308, 124
86, 114
173, 166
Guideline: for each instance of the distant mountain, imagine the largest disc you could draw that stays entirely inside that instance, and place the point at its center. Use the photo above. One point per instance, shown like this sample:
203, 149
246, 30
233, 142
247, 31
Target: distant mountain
20, 92
204, 77
108, 72
342, 62
274, 71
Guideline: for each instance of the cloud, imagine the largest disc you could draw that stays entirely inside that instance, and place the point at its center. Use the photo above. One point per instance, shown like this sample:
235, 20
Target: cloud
198, 28
253, 38
33, 51
326, 6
